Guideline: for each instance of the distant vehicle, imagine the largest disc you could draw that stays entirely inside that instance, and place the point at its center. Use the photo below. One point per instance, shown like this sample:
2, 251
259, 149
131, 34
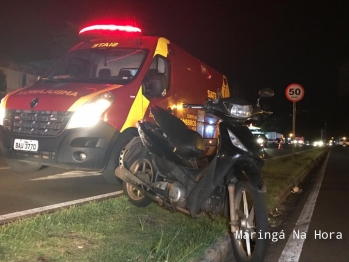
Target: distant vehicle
319, 143
343, 142
299, 141
273, 138
261, 139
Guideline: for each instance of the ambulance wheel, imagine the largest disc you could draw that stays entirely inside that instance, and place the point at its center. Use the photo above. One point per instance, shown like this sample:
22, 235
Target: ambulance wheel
117, 155
23, 166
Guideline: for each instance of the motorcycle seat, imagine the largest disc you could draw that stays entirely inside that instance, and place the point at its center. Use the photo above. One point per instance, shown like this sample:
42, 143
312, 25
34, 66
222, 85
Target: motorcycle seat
188, 143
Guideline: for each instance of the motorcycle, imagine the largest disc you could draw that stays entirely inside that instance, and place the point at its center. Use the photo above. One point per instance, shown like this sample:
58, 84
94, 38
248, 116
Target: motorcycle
165, 164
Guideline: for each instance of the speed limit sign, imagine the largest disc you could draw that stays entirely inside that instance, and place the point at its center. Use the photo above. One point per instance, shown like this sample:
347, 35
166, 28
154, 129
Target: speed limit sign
294, 92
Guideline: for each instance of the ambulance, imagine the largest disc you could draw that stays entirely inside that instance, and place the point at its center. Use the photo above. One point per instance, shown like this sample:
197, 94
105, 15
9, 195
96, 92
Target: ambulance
83, 111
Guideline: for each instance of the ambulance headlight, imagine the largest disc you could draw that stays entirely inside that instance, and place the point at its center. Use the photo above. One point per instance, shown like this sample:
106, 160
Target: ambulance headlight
2, 113
239, 111
89, 114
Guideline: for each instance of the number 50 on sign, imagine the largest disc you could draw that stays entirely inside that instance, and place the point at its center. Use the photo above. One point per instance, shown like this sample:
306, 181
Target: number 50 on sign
294, 92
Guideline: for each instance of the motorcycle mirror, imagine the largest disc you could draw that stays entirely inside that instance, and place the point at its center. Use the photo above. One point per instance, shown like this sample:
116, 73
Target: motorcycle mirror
266, 92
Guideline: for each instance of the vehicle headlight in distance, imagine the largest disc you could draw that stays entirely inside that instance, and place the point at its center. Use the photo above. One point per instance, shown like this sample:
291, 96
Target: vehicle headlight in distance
236, 142
239, 111
89, 114
2, 112
260, 140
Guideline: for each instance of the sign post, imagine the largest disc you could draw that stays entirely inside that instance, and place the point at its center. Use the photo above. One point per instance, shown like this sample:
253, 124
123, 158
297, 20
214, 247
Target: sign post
294, 93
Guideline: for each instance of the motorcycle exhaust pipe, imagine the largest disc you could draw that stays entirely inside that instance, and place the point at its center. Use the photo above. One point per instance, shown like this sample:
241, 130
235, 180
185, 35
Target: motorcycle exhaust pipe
125, 175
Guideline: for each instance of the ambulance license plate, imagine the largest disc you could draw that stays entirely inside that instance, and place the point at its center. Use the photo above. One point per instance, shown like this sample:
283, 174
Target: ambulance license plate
26, 145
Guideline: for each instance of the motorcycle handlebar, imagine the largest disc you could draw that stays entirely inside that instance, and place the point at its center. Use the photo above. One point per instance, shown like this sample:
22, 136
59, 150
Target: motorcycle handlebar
193, 106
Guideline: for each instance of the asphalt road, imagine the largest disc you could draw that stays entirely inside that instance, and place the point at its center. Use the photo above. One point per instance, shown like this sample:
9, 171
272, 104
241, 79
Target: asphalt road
19, 192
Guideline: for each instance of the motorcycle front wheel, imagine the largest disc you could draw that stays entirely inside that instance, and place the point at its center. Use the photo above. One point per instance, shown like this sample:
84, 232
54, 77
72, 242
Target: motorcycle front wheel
250, 239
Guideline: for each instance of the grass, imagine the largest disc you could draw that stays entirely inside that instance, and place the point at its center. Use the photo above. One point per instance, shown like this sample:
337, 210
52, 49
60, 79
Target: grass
282, 172
111, 230
114, 230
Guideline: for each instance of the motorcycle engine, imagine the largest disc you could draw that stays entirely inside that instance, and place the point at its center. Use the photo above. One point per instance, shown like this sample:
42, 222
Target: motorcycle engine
178, 193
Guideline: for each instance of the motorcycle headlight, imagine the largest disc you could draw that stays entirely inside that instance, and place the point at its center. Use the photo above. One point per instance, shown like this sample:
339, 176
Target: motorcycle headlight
239, 111
90, 113
236, 142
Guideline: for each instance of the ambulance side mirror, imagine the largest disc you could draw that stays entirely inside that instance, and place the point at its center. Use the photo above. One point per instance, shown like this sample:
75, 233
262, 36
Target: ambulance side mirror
154, 84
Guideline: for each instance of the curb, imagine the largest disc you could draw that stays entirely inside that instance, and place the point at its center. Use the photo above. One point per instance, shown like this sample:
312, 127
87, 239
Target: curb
218, 251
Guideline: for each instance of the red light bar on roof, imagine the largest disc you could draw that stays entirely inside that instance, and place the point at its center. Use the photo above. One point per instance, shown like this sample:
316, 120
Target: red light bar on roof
125, 28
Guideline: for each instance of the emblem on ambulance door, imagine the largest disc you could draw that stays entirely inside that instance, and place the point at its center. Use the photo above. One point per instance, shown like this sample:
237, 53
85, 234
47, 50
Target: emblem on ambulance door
34, 102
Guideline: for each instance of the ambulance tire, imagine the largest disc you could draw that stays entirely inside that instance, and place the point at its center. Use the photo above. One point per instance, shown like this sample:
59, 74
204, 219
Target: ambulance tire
23, 166
116, 156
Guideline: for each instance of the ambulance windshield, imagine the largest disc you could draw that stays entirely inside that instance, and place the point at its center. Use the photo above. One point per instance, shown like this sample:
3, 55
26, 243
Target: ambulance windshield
116, 66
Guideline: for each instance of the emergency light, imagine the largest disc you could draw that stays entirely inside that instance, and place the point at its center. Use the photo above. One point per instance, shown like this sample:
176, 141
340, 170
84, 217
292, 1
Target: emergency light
102, 31
111, 28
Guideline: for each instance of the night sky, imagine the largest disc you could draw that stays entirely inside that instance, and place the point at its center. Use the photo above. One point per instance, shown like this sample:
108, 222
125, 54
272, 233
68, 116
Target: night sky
256, 44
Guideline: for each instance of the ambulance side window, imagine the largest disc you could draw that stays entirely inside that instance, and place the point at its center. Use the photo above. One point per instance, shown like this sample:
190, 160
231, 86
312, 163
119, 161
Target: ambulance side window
156, 82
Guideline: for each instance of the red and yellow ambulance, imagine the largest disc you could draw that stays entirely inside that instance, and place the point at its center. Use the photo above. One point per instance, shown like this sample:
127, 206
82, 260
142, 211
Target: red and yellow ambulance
82, 112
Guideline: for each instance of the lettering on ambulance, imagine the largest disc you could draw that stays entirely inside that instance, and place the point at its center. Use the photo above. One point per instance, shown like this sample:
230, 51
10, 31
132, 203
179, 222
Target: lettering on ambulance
45, 91
141, 102
4, 100
224, 92
211, 94
105, 45
190, 121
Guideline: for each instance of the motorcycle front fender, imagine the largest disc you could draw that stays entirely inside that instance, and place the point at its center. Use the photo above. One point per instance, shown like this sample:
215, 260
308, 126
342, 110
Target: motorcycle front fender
246, 170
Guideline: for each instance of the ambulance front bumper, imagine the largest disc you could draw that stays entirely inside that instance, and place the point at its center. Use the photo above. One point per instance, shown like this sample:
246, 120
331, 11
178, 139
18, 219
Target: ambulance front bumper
80, 148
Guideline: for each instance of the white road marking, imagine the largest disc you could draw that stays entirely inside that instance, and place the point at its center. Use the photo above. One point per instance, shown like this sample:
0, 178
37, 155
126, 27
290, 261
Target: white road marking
293, 248
69, 174
51, 208
4, 167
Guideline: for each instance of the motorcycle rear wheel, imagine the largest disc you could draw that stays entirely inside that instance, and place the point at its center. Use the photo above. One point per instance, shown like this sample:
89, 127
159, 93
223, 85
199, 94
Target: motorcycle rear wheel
250, 240
135, 196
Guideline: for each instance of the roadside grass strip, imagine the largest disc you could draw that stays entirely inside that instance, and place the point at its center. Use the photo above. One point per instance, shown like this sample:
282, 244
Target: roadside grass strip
111, 230
115, 230
283, 173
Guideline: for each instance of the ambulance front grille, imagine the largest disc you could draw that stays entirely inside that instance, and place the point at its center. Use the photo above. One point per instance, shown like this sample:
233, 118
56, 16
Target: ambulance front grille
42, 123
